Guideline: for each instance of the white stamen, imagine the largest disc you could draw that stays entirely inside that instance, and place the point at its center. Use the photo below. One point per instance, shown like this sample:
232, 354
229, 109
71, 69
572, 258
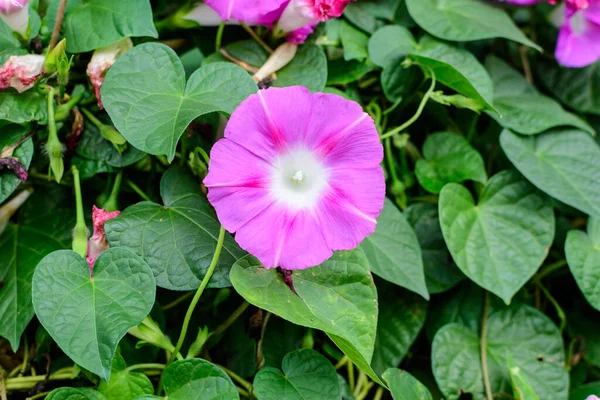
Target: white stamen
298, 176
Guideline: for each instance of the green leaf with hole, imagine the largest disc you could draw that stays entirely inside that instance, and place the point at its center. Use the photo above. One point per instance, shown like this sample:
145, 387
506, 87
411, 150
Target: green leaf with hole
87, 317
90, 24
583, 255
177, 239
520, 332
147, 97
10, 135
393, 251
404, 386
307, 375
522, 108
448, 158
500, 241
187, 379
337, 297
465, 20
562, 163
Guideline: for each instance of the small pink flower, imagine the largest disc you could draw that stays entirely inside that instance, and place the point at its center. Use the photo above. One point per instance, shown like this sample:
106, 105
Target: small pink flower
16, 15
299, 13
578, 42
251, 11
299, 35
21, 72
296, 172
98, 243
592, 397
102, 59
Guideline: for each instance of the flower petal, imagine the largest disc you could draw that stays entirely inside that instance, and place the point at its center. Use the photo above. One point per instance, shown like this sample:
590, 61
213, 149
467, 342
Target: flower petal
244, 10
578, 49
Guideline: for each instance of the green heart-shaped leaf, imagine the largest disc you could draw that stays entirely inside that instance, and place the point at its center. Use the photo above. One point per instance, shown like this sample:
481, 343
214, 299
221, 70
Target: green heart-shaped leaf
519, 332
68, 393
9, 135
583, 256
503, 239
149, 102
124, 384
448, 158
404, 386
188, 379
337, 297
562, 163
393, 251
389, 43
87, 317
354, 42
307, 375
177, 240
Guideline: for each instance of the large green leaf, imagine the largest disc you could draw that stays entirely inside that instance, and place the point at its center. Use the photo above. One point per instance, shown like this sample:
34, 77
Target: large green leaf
68, 393
389, 43
448, 158
562, 163
354, 42
519, 332
337, 297
521, 107
583, 256
148, 100
502, 240
87, 317
9, 135
401, 318
90, 24
393, 251
307, 375
521, 387
456, 68
177, 240
465, 20
441, 273
404, 386
189, 379
23, 107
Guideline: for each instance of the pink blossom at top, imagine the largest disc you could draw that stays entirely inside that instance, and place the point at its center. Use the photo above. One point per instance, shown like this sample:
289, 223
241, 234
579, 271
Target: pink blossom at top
102, 60
578, 42
297, 171
16, 15
299, 13
21, 72
251, 11
98, 243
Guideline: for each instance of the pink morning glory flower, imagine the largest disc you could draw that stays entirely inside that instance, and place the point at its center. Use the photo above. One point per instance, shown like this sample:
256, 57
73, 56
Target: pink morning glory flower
251, 11
98, 243
578, 42
299, 13
102, 59
524, 2
21, 72
16, 15
295, 171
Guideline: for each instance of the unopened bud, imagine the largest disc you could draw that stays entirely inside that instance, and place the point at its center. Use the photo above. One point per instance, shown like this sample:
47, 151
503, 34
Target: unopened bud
279, 59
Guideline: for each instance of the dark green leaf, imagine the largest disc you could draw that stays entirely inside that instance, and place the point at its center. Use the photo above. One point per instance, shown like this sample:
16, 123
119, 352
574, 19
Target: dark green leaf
354, 42
23, 107
308, 69
583, 255
582, 392
389, 43
93, 146
341, 72
9, 135
187, 379
68, 393
398, 82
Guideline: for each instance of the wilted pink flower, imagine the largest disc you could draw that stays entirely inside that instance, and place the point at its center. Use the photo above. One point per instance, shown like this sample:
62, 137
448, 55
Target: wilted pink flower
98, 243
16, 15
578, 42
251, 11
102, 59
21, 72
299, 13
297, 171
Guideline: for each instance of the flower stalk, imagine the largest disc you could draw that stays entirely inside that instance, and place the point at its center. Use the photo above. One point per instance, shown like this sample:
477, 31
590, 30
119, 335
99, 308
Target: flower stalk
80, 232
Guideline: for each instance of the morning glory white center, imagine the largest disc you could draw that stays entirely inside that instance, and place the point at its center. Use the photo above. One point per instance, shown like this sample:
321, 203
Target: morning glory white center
298, 178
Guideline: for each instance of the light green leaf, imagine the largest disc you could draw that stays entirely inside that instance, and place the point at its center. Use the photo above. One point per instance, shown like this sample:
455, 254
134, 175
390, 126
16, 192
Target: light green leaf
401, 318
187, 379
149, 102
404, 386
9, 135
562, 163
393, 251
91, 24
501, 241
177, 240
520, 332
308, 69
441, 273
354, 42
88, 317
583, 255
521, 107
23, 107
361, 17
389, 43
448, 158
307, 375
337, 297
521, 387
456, 68
465, 20
123, 384
68, 393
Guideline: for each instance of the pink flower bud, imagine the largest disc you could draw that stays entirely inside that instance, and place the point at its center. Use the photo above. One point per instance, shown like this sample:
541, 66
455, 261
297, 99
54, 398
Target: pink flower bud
102, 59
300, 13
98, 243
16, 15
21, 72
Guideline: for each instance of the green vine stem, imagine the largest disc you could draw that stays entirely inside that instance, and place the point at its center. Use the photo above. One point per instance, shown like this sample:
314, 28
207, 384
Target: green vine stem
80, 235
112, 204
483, 348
